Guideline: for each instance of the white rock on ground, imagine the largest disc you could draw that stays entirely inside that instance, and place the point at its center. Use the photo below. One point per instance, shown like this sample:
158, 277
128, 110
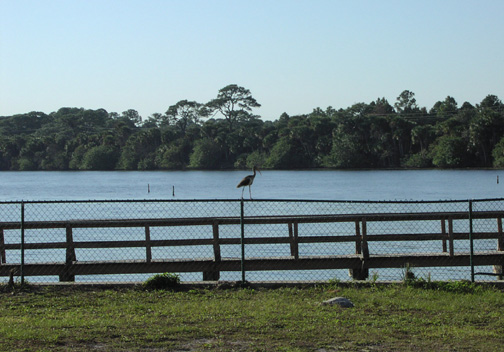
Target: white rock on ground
341, 301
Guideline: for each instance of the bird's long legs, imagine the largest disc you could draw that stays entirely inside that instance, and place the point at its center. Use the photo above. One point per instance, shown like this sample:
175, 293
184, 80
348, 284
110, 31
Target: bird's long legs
250, 192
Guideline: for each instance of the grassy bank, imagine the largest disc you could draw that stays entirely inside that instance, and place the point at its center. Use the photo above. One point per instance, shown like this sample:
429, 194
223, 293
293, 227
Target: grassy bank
454, 317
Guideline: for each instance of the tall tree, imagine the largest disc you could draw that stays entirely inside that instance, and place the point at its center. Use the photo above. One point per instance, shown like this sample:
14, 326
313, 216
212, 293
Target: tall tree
185, 113
206, 155
445, 109
422, 135
491, 102
406, 103
381, 107
487, 128
133, 116
450, 152
235, 103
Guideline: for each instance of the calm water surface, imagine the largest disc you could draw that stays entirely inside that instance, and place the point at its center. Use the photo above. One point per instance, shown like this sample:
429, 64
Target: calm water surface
319, 184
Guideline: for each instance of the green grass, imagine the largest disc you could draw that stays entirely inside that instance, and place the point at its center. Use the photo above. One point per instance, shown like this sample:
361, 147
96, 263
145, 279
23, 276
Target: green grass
446, 317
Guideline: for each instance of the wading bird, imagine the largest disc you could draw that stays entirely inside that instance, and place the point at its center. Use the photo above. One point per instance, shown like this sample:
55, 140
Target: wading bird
247, 181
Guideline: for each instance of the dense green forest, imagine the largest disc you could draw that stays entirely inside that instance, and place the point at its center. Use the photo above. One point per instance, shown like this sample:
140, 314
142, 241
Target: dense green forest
225, 133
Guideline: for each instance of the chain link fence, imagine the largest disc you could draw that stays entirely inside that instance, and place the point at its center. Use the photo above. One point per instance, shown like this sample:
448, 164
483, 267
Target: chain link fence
260, 240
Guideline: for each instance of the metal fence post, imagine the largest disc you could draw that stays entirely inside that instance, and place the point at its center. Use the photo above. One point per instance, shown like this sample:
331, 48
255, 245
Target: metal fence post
242, 242
471, 244
21, 269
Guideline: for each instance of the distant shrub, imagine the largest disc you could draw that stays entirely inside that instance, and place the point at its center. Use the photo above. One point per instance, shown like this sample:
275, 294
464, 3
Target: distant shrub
450, 286
408, 275
460, 287
25, 164
162, 282
419, 160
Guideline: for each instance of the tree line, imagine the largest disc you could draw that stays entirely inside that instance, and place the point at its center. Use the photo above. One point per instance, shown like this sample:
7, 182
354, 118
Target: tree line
225, 133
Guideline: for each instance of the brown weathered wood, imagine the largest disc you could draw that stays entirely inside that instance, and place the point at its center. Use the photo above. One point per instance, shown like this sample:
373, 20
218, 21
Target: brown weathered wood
365, 248
450, 236
212, 267
255, 240
249, 220
211, 273
360, 272
216, 242
499, 268
253, 264
148, 247
65, 274
358, 246
293, 240
500, 238
70, 252
291, 237
2, 247
443, 234
296, 237
432, 260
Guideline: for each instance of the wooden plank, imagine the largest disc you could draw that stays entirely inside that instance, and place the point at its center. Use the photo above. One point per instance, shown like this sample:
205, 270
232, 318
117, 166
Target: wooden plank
212, 267
323, 239
70, 248
358, 272
249, 220
254, 240
499, 268
295, 241
404, 237
365, 248
430, 260
358, 244
70, 257
211, 273
47, 245
254, 264
216, 241
450, 236
2, 247
500, 239
110, 223
143, 243
291, 237
148, 247
444, 235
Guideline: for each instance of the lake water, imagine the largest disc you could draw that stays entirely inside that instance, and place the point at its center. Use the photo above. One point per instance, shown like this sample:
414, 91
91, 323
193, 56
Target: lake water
319, 184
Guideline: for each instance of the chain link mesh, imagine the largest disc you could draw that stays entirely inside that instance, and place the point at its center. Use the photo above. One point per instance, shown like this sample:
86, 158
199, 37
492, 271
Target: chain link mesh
284, 240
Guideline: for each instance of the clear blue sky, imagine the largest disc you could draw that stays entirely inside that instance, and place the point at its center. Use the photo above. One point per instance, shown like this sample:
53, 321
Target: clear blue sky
293, 55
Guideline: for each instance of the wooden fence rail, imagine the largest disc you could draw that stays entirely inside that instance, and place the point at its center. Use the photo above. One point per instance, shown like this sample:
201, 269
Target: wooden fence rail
359, 262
